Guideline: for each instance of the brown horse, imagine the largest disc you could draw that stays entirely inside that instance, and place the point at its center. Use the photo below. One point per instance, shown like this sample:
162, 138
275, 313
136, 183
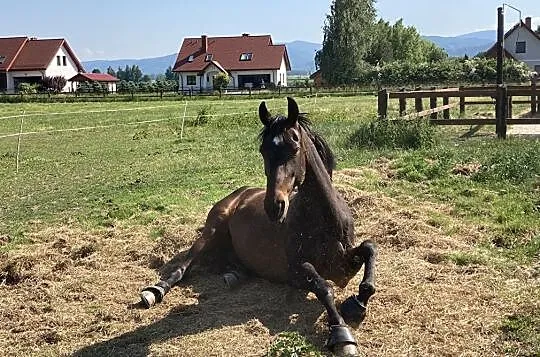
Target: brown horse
298, 231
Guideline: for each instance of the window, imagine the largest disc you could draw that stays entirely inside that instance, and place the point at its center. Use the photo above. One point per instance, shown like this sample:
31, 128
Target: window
536, 69
64, 60
208, 57
191, 80
58, 62
190, 58
2, 59
246, 56
521, 47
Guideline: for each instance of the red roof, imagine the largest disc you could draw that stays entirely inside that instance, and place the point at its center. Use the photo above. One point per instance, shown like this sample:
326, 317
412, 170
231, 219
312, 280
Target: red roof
227, 51
9, 48
94, 77
33, 54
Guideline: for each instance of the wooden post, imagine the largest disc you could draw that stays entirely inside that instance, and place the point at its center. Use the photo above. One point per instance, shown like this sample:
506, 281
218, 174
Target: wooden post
461, 103
501, 110
382, 104
402, 104
509, 108
418, 104
446, 112
499, 45
534, 98
433, 103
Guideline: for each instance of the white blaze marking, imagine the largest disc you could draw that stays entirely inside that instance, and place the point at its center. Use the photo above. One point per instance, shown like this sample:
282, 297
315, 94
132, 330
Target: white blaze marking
278, 140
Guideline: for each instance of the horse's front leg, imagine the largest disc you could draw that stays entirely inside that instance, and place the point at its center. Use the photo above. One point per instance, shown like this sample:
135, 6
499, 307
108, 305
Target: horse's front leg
341, 341
353, 309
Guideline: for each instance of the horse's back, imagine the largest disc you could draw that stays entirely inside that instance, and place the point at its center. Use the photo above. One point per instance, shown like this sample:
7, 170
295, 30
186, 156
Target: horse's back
256, 240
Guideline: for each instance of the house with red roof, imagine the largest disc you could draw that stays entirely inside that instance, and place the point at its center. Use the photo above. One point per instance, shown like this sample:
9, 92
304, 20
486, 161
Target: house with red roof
104, 78
250, 61
28, 60
521, 43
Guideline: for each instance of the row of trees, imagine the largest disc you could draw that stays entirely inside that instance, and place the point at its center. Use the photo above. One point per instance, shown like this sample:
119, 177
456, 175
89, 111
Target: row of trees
359, 49
134, 74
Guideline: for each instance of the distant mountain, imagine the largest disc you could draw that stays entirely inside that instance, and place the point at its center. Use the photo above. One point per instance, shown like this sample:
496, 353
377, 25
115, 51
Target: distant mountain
301, 55
469, 44
150, 66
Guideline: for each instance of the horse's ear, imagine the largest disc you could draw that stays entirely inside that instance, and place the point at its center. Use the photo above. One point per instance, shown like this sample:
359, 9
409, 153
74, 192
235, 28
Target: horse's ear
293, 111
264, 115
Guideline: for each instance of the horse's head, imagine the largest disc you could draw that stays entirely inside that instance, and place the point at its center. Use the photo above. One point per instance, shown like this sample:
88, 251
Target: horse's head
284, 158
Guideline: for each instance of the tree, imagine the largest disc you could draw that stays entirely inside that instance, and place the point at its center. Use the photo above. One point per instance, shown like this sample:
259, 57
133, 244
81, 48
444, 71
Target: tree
111, 71
96, 70
53, 84
347, 38
170, 75
221, 81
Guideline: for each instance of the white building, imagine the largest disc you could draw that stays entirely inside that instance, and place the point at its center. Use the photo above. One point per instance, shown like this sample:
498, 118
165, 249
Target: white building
28, 60
250, 61
523, 44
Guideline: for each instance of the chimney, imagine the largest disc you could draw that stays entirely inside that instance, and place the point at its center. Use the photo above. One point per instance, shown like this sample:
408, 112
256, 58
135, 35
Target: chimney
204, 44
528, 22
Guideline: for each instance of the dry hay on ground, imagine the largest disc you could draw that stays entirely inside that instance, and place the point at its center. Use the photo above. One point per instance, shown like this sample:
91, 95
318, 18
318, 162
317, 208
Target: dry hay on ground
73, 291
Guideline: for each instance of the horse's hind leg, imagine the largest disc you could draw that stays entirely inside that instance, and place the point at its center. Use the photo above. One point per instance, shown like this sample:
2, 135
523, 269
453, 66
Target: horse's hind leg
214, 235
353, 309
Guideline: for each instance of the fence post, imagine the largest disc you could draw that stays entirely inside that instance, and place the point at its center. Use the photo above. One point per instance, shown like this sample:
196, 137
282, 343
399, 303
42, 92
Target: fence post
382, 104
418, 104
534, 99
433, 103
501, 110
446, 112
509, 108
402, 104
461, 102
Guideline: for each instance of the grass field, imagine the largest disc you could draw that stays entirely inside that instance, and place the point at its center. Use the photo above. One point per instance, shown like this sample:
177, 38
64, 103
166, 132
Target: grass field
93, 212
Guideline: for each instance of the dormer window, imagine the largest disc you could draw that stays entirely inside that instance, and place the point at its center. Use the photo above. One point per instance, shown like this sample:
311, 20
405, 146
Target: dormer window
209, 57
247, 56
521, 47
190, 58
2, 59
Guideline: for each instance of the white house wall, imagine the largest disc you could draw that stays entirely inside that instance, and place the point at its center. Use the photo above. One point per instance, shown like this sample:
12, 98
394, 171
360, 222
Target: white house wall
532, 55
68, 71
182, 81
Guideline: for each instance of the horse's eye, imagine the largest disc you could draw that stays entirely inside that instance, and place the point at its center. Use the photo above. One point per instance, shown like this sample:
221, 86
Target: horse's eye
294, 137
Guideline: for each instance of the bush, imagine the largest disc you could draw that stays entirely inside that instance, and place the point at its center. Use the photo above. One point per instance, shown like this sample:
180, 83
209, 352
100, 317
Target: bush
453, 70
378, 134
27, 88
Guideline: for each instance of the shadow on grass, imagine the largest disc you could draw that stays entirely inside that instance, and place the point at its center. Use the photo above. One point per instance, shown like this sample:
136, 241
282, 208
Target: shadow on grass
272, 304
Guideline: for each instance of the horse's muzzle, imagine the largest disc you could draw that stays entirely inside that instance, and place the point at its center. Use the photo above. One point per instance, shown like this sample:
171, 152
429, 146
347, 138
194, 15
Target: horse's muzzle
277, 209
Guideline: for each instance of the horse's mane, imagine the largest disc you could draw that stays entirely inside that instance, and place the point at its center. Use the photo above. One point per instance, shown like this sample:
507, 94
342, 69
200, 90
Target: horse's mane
323, 149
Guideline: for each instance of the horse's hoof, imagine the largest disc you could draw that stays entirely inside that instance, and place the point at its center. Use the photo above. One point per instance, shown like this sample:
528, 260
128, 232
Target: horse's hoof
341, 341
152, 295
353, 311
347, 350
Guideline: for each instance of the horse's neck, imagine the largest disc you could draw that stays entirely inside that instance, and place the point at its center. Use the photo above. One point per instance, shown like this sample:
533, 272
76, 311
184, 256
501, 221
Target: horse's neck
317, 184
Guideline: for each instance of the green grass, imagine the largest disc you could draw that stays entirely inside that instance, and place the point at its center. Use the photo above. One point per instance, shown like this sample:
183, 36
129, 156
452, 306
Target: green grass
128, 172
523, 328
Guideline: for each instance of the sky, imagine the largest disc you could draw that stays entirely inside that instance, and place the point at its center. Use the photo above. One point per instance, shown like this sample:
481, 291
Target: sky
117, 29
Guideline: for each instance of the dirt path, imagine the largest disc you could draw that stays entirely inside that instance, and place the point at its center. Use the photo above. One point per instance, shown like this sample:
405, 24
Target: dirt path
73, 291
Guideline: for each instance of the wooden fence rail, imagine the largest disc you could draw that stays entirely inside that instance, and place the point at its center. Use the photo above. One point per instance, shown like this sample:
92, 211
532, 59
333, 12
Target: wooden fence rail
502, 97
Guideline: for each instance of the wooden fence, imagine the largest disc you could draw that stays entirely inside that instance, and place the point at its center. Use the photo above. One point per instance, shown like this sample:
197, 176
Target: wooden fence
502, 97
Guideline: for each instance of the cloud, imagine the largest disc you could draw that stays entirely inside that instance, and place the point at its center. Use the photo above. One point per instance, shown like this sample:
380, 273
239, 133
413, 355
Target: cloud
87, 52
